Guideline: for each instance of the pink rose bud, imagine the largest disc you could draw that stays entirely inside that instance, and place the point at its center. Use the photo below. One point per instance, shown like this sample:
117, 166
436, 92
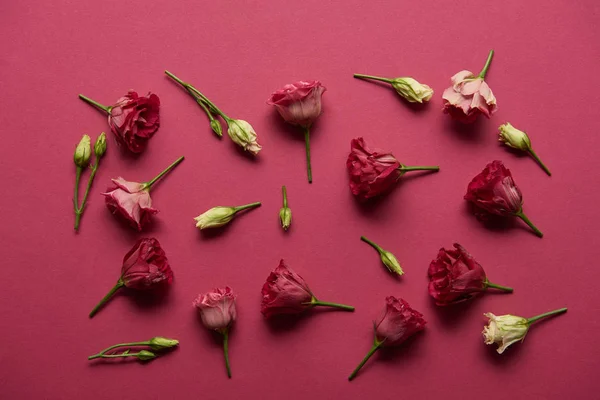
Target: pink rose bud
286, 292
374, 172
494, 192
133, 119
131, 200
300, 104
470, 95
455, 276
145, 267
217, 310
398, 322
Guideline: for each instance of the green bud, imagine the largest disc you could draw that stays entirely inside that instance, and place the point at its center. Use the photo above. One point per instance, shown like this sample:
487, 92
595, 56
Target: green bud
83, 151
513, 137
215, 125
411, 90
390, 261
145, 355
100, 145
285, 216
160, 343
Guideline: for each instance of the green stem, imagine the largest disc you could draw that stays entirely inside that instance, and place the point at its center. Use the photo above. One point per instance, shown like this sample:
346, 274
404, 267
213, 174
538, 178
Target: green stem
79, 210
405, 168
112, 355
484, 71
76, 193
377, 78
544, 315
226, 351
522, 215
110, 294
314, 302
536, 158
307, 144
499, 287
148, 185
375, 347
247, 206
373, 244
95, 103
284, 192
132, 344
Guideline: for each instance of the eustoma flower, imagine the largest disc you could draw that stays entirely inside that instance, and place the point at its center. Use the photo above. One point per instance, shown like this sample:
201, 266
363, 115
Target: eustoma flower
470, 95
285, 214
299, 104
411, 90
505, 330
82, 160
240, 131
455, 276
494, 192
219, 216
217, 310
387, 258
131, 200
133, 119
145, 267
398, 323
286, 292
512, 137
156, 344
374, 172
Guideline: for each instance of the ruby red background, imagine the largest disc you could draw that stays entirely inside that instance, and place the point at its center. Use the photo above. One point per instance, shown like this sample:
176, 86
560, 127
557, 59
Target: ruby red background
544, 76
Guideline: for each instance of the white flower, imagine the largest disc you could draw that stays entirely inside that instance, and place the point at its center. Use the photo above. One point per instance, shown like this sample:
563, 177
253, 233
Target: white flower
215, 217
514, 138
411, 90
242, 133
504, 330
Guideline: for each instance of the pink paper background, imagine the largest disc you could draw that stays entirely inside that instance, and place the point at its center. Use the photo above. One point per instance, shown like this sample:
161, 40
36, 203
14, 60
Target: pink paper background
545, 76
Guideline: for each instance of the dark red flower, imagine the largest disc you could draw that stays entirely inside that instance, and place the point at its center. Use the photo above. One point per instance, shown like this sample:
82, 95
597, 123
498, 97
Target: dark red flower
146, 266
398, 323
455, 276
134, 120
494, 191
372, 172
285, 292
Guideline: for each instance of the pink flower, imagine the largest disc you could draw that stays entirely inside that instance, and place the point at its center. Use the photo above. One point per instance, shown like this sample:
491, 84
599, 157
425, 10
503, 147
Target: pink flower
398, 323
299, 103
134, 120
217, 308
145, 267
374, 172
130, 200
469, 95
285, 292
494, 191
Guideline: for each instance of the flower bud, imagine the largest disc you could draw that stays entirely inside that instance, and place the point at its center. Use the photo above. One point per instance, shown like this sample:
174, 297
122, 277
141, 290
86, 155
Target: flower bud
215, 217
390, 261
215, 125
514, 138
160, 343
285, 216
83, 151
145, 355
411, 90
242, 133
100, 145
504, 330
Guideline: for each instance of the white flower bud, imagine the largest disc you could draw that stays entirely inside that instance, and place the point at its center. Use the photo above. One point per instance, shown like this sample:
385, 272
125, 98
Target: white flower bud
411, 90
160, 343
215, 217
390, 261
514, 138
504, 330
242, 133
83, 151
